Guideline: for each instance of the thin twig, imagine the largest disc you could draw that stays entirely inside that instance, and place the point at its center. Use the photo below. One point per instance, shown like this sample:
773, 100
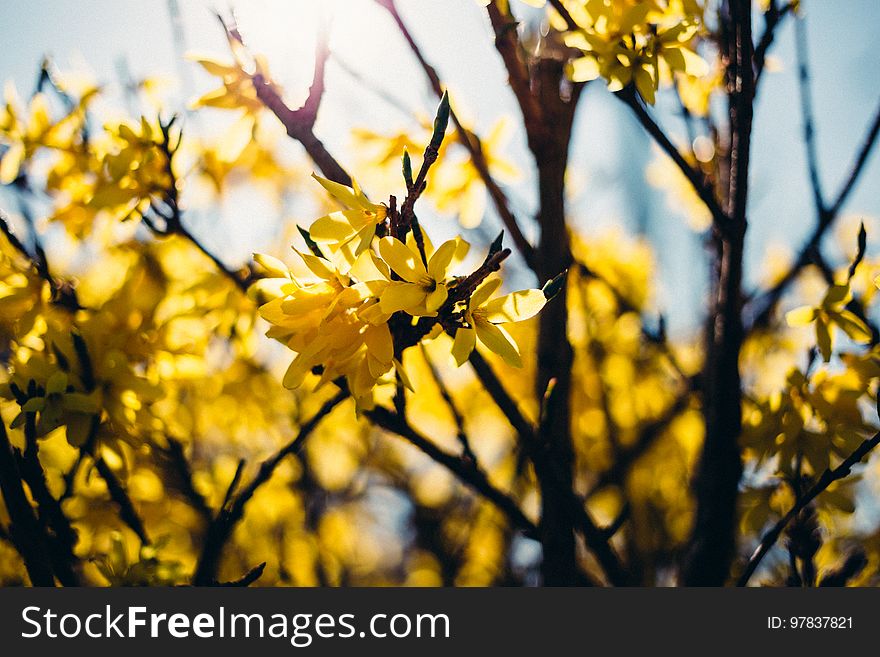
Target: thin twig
828, 477
299, 123
118, 494
471, 142
24, 530
760, 308
773, 18
457, 417
465, 469
228, 516
698, 181
809, 126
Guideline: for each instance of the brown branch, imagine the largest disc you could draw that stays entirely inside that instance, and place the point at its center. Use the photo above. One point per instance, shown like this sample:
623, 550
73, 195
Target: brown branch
220, 529
809, 125
60, 536
700, 183
299, 123
457, 417
760, 309
178, 464
462, 467
548, 471
712, 543
773, 18
470, 141
63, 294
648, 437
249, 578
508, 46
24, 530
118, 494
828, 477
172, 215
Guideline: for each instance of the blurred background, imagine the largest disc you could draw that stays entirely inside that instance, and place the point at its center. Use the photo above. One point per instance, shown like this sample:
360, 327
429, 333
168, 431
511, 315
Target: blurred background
143, 56
374, 82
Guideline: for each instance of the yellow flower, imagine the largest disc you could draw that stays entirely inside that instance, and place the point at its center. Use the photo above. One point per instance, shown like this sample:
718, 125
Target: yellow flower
831, 311
423, 289
484, 316
329, 324
631, 41
357, 221
59, 404
237, 90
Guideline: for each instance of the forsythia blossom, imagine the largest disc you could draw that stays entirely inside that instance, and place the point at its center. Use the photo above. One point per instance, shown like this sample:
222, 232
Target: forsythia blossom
344, 321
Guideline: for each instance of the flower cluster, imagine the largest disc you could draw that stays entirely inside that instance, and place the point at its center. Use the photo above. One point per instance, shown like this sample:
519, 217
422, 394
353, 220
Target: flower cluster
373, 291
635, 41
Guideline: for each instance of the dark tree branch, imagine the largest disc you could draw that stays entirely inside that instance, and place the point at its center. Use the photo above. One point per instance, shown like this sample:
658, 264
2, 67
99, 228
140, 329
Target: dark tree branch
700, 183
60, 536
648, 437
809, 125
299, 123
773, 18
760, 309
63, 294
457, 417
548, 470
462, 467
548, 115
176, 461
249, 578
118, 494
24, 529
508, 46
471, 142
828, 477
220, 530
712, 544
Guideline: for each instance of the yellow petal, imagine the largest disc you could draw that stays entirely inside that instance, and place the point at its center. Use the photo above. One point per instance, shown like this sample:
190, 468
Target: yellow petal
319, 266
485, 290
236, 139
800, 316
11, 163
436, 298
498, 340
405, 263
515, 307
379, 344
272, 265
333, 227
854, 327
439, 262
584, 69
341, 193
404, 378
401, 296
295, 374
463, 344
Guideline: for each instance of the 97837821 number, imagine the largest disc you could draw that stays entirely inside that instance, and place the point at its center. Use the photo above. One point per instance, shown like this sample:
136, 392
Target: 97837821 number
810, 623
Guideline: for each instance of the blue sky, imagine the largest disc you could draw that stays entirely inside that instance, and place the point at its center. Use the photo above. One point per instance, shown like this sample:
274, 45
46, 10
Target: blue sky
104, 34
